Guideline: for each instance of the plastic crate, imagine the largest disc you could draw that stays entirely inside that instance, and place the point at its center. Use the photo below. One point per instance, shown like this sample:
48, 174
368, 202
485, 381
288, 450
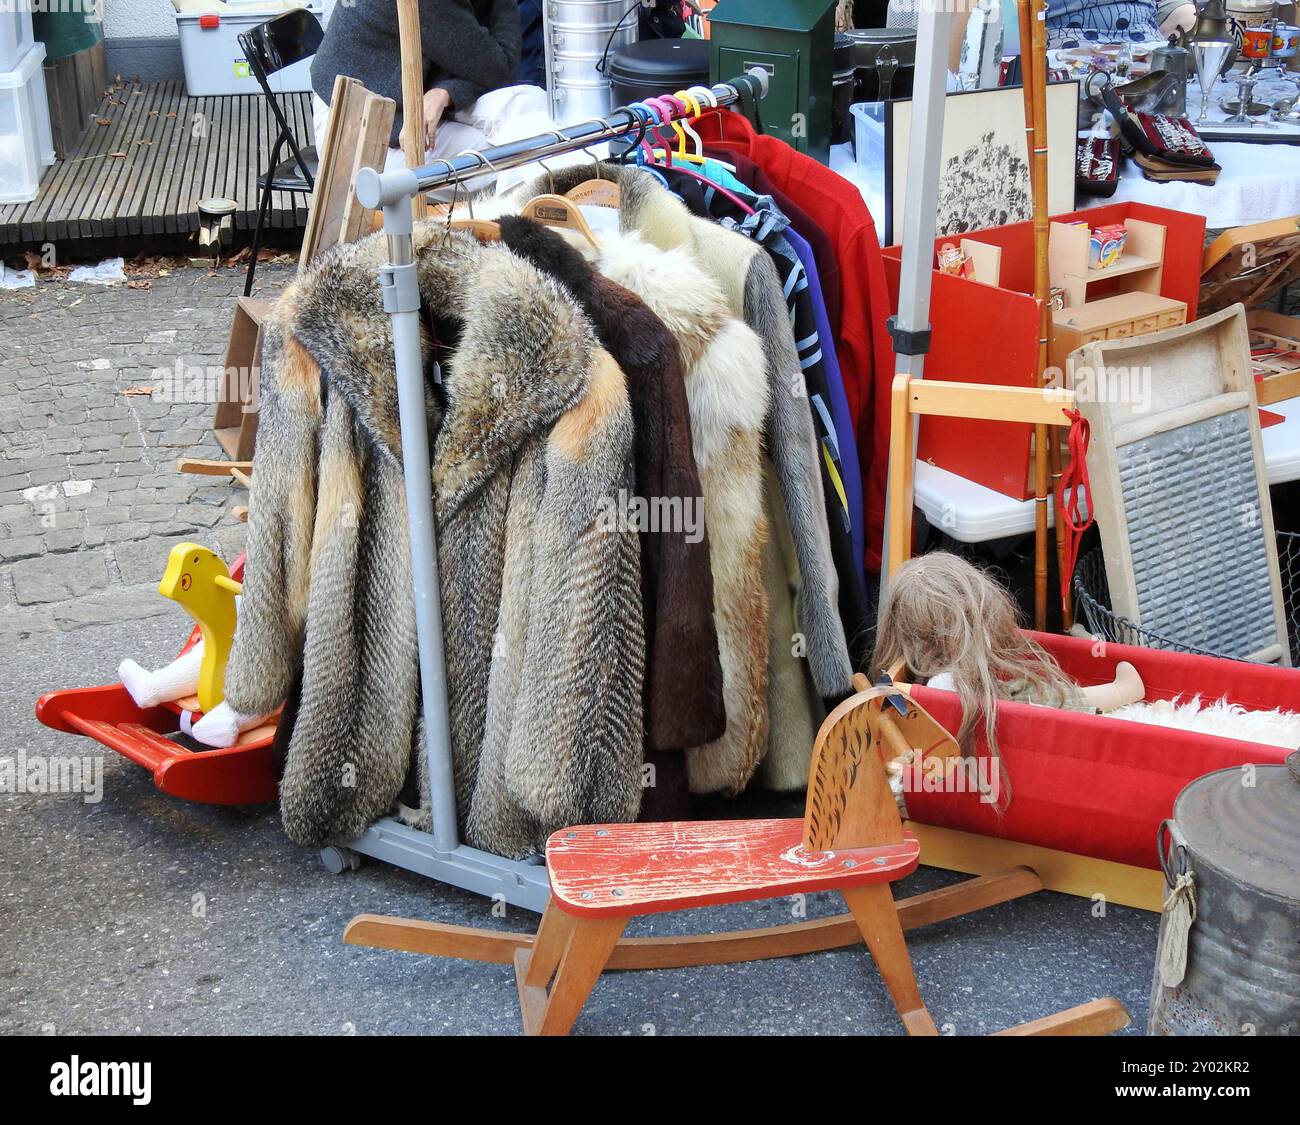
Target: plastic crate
213, 60
869, 152
16, 37
26, 142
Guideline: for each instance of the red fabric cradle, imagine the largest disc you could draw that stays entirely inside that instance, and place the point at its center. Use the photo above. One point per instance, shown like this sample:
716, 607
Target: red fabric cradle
1096, 786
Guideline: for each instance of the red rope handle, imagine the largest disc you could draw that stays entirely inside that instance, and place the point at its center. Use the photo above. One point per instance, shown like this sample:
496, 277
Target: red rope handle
1075, 479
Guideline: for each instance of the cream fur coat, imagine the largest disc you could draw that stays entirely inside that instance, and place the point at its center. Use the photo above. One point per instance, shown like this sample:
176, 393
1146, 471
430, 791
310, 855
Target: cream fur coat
726, 389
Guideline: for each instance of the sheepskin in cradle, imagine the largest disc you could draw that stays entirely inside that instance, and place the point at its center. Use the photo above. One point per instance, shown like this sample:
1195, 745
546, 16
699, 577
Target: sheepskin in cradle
1220, 718
726, 388
545, 711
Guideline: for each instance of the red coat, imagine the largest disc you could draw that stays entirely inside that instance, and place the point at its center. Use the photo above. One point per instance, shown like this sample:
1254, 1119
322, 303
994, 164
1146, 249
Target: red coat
863, 347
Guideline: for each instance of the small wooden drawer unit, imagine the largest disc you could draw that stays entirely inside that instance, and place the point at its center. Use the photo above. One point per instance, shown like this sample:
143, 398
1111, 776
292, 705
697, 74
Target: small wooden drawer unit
1112, 318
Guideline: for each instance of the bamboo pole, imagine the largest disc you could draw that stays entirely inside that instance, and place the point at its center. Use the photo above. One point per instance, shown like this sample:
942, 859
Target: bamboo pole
1044, 285
1033, 73
408, 32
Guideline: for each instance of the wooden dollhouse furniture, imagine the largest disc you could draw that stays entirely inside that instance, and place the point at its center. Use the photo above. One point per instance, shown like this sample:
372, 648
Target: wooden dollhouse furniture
851, 839
985, 328
1134, 304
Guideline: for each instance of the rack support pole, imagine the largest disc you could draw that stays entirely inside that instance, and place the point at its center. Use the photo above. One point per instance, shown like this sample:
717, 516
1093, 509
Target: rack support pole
399, 285
910, 329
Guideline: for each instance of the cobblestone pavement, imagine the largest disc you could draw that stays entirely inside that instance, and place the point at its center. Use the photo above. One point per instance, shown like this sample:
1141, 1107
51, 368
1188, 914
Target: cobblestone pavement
90, 498
143, 913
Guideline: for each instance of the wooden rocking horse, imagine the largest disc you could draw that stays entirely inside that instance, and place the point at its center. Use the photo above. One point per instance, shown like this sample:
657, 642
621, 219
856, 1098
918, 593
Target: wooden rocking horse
851, 839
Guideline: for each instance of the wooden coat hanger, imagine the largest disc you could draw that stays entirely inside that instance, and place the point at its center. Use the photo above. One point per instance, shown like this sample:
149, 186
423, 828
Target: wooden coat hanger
559, 211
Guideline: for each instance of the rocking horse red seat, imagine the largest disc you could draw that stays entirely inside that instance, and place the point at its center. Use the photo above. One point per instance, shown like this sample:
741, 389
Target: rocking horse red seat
242, 774
620, 869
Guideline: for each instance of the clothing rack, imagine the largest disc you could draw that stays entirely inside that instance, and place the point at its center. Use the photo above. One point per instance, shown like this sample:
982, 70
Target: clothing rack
440, 854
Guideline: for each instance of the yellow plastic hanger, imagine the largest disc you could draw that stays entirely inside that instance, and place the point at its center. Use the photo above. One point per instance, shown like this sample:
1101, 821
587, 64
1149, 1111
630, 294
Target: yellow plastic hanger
692, 103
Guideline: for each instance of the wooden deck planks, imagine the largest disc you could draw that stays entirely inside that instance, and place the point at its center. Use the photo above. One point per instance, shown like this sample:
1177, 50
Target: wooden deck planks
168, 165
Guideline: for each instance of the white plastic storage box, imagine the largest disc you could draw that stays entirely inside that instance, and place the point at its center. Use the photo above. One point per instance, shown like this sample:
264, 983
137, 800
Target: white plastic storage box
869, 152
214, 62
15, 32
26, 142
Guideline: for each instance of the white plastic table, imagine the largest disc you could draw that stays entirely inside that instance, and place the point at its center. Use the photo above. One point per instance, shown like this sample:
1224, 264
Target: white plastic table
971, 513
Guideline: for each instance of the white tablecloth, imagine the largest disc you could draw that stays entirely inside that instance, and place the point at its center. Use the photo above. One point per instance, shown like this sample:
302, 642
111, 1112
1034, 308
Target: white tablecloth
1258, 183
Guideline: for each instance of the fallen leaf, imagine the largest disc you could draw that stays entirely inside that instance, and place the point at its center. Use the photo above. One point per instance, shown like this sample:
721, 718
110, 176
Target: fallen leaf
140, 389
116, 155
144, 142
172, 114
114, 101
103, 121
139, 283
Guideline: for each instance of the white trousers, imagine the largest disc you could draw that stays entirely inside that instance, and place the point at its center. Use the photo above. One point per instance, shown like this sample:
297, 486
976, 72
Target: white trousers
508, 114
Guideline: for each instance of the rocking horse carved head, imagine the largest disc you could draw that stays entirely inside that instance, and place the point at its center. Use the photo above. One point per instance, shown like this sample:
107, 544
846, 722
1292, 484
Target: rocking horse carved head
850, 803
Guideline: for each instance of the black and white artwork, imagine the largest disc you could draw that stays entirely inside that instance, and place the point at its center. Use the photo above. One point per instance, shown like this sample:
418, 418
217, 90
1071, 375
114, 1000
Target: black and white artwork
984, 165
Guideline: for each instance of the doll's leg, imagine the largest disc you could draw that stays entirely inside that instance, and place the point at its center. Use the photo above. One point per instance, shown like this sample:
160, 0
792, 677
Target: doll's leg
1126, 688
223, 725
173, 681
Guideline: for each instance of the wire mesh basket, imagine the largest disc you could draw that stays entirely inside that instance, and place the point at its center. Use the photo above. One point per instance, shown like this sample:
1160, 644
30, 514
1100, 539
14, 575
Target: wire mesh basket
1092, 603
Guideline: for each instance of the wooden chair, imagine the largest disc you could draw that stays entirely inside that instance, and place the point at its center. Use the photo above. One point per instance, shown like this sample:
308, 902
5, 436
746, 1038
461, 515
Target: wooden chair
850, 839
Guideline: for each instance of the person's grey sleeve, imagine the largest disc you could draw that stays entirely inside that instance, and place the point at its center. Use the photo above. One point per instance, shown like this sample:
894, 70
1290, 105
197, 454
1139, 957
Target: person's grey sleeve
474, 58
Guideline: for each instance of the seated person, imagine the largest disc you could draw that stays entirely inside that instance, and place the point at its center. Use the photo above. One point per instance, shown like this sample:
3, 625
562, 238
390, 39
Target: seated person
1076, 23
471, 54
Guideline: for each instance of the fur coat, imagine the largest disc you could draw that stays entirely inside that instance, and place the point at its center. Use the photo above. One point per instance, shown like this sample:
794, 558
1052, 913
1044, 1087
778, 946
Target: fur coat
683, 675
752, 290
683, 672
541, 610
727, 390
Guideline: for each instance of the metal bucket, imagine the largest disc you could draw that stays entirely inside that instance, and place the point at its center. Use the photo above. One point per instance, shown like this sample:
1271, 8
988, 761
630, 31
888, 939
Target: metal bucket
1236, 833
577, 36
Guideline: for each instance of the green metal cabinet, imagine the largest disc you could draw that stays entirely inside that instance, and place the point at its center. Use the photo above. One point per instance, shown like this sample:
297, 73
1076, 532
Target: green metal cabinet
792, 41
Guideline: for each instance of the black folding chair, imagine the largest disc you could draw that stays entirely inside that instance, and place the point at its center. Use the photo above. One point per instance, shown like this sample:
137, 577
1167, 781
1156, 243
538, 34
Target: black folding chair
268, 48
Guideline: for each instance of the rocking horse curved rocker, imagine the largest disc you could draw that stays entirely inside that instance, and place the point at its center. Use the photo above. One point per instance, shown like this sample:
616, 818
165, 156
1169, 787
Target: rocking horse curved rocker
851, 839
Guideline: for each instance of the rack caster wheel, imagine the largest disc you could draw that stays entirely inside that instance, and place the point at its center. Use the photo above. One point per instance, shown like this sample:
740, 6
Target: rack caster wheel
339, 860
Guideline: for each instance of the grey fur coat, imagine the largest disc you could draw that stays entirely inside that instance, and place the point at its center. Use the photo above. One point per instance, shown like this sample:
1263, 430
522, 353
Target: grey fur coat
541, 607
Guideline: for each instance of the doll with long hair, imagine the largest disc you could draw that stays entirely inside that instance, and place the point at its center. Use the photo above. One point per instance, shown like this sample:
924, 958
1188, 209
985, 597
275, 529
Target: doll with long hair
956, 628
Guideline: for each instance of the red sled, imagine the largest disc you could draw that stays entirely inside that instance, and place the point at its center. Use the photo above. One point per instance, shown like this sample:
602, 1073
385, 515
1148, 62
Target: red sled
242, 774
1088, 787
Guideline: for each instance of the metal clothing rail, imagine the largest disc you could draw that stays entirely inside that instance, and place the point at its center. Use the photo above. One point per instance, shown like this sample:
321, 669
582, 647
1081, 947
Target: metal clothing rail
440, 853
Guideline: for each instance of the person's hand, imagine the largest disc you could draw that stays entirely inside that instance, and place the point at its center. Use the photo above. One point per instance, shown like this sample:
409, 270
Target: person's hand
436, 102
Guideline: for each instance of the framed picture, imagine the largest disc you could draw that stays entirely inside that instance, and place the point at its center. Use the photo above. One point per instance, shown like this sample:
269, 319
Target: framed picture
984, 169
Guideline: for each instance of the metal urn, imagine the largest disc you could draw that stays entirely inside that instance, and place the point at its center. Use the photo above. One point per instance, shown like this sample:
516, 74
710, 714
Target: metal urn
1229, 954
1213, 47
